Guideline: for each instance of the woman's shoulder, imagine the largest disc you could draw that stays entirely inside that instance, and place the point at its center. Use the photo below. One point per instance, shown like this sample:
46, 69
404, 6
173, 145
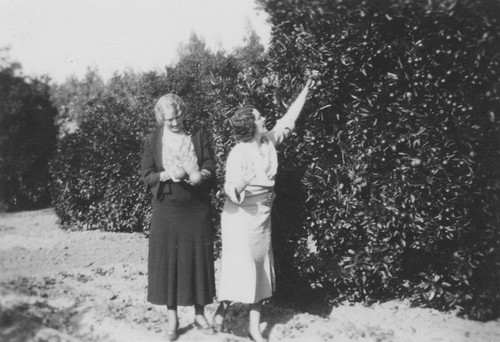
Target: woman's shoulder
153, 135
239, 147
238, 155
236, 152
280, 131
199, 134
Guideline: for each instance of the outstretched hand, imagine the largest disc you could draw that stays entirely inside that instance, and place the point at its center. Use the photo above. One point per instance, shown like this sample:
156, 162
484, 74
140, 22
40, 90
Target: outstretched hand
310, 83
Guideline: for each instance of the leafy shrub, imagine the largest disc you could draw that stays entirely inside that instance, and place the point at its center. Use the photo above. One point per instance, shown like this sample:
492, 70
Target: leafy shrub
27, 139
70, 98
398, 159
96, 180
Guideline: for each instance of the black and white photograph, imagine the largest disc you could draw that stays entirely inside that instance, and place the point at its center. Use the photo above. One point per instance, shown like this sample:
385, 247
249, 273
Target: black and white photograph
250, 170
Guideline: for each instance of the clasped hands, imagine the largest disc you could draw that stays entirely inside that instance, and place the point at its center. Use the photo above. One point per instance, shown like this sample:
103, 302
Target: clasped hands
176, 178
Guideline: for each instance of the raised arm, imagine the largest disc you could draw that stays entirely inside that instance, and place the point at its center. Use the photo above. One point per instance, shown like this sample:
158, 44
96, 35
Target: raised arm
295, 109
286, 124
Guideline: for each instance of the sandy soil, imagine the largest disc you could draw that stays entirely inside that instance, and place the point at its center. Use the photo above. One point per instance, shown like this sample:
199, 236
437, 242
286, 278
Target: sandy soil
90, 286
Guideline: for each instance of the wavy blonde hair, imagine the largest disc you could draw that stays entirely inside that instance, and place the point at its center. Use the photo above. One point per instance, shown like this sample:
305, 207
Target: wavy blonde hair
168, 102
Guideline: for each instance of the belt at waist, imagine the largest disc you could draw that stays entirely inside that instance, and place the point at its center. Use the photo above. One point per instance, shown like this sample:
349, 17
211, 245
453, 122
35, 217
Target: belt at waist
265, 198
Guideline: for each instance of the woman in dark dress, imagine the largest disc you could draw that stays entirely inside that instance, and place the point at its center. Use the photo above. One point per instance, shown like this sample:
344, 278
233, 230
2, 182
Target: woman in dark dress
180, 261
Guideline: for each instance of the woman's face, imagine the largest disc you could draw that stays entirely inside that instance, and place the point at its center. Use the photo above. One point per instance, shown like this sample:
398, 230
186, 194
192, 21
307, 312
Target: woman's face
172, 120
259, 123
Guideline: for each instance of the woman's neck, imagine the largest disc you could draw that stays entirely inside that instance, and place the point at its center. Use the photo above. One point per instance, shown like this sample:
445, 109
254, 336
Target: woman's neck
168, 131
256, 142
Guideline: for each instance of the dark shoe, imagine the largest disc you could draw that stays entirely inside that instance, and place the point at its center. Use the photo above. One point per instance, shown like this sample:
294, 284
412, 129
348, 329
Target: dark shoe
253, 339
218, 326
173, 334
219, 316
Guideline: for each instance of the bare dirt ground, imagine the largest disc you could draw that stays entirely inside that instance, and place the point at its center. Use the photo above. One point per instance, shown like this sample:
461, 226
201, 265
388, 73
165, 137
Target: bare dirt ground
65, 286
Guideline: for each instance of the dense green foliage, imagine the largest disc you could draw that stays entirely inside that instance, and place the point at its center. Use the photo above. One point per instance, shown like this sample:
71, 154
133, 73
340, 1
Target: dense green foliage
27, 139
398, 161
95, 173
71, 97
388, 188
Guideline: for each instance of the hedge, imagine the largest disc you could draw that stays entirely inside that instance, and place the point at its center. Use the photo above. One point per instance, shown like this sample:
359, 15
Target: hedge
388, 187
27, 139
397, 163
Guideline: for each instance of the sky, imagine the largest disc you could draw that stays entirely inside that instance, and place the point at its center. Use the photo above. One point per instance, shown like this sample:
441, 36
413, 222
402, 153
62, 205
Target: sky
60, 38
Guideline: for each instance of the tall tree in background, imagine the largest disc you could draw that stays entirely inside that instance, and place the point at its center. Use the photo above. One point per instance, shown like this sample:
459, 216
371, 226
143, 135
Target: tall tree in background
71, 97
27, 138
253, 50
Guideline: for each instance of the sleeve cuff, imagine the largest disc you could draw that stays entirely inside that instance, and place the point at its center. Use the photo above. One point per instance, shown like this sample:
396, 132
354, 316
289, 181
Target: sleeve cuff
206, 173
164, 176
230, 191
286, 126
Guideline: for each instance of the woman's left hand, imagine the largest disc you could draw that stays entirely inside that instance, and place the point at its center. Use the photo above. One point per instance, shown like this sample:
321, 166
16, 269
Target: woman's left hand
204, 175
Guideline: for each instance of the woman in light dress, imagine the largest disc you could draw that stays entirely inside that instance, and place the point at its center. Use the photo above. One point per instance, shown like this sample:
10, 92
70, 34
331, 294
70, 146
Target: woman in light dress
247, 270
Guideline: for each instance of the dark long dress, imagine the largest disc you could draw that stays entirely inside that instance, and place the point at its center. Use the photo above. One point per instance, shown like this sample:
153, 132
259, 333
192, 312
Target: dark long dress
180, 261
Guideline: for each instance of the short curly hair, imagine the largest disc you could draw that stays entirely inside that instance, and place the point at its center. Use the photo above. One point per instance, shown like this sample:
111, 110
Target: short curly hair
243, 123
168, 102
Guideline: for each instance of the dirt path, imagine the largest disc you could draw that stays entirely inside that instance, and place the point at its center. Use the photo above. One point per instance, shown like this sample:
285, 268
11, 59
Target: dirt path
90, 286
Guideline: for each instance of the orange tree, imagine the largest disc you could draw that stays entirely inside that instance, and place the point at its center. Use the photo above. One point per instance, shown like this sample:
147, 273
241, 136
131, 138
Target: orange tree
396, 159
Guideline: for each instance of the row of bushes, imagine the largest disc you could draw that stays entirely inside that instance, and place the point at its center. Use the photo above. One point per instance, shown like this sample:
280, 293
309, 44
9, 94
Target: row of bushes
96, 180
28, 136
389, 185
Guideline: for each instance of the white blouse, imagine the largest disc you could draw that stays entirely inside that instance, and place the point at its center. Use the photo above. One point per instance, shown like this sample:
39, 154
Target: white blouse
264, 162
178, 151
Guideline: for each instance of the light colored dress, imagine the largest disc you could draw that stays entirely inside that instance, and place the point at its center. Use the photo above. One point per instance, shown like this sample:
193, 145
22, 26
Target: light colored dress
247, 263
